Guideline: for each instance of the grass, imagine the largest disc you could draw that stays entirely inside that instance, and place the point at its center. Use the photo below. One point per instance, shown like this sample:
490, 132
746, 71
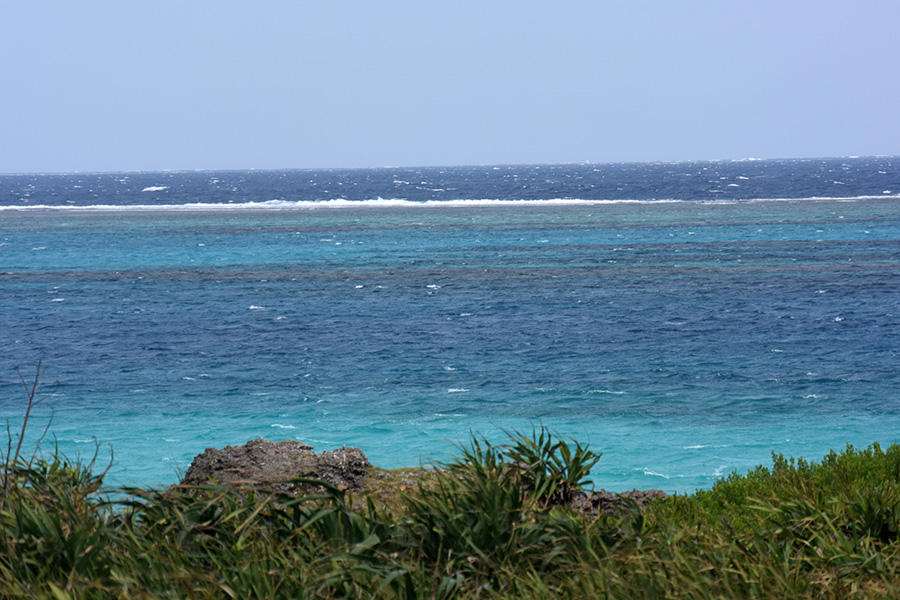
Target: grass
490, 524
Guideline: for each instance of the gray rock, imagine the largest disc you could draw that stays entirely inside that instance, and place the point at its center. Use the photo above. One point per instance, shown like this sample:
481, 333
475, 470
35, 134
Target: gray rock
610, 503
264, 464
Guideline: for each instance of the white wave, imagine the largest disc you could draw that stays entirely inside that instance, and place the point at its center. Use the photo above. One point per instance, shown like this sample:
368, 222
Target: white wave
653, 473
457, 390
254, 307
404, 203
695, 447
280, 426
155, 188
605, 392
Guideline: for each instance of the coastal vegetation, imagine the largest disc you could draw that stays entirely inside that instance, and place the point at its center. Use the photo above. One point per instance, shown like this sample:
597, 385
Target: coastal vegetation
497, 522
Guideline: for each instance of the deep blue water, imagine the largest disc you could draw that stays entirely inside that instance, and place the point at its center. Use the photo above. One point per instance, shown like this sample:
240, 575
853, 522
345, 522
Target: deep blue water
685, 319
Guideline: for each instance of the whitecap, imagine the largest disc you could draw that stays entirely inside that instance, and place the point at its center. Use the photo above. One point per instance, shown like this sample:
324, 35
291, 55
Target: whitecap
280, 426
695, 447
155, 188
433, 287
254, 307
605, 392
653, 473
457, 390
403, 203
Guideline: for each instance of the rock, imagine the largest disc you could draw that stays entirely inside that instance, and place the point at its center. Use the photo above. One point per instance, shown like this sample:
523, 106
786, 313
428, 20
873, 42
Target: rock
610, 503
265, 464
270, 465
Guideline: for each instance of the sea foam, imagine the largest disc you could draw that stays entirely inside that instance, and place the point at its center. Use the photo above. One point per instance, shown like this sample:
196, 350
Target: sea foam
403, 203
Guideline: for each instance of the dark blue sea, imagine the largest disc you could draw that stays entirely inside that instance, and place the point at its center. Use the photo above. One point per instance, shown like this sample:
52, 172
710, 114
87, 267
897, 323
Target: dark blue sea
685, 319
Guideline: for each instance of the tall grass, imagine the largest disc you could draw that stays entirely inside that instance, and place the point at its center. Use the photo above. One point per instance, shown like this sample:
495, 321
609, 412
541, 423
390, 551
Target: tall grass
494, 523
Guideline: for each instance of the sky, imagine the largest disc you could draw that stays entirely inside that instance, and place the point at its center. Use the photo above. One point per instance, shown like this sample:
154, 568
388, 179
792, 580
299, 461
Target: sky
139, 85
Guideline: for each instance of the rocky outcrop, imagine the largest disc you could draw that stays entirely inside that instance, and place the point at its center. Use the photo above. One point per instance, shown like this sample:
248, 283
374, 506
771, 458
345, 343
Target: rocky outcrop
261, 463
609, 502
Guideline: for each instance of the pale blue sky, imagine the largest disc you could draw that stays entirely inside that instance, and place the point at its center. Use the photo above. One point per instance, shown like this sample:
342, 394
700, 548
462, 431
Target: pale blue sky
106, 86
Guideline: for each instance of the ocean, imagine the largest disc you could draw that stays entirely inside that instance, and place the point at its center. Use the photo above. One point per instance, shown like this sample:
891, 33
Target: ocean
684, 319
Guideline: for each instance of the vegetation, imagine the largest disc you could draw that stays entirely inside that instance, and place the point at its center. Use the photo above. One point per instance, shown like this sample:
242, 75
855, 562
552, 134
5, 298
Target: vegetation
488, 526
498, 522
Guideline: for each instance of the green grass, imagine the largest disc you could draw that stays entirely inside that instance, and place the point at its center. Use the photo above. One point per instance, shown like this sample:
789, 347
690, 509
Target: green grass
493, 523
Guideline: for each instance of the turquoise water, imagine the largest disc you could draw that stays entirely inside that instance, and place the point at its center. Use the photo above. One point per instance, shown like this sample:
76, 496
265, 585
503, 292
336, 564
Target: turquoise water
682, 339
